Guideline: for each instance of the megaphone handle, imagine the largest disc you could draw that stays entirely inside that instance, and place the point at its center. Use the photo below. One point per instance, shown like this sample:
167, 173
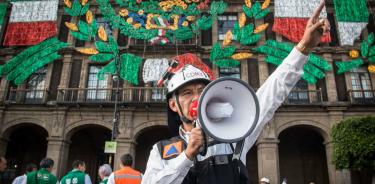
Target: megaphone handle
203, 148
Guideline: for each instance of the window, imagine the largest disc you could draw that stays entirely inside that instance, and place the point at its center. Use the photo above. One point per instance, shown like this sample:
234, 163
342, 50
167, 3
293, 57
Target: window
64, 31
299, 94
36, 85
102, 22
230, 72
96, 89
158, 94
360, 80
225, 23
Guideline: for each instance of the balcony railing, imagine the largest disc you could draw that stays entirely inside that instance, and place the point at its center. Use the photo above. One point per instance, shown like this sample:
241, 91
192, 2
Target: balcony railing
364, 97
126, 95
26, 96
304, 97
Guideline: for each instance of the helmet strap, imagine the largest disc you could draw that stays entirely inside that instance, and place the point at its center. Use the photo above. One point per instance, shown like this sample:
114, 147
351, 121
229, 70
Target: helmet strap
183, 117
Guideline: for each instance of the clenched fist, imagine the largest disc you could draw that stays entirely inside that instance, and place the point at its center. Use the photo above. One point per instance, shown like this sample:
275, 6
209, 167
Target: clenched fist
195, 142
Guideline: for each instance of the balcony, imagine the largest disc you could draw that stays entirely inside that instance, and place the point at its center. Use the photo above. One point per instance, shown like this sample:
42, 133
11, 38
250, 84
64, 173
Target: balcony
303, 97
107, 96
362, 97
26, 96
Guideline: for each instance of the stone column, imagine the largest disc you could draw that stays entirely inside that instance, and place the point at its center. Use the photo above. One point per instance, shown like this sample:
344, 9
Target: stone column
58, 150
330, 80
268, 159
263, 69
124, 146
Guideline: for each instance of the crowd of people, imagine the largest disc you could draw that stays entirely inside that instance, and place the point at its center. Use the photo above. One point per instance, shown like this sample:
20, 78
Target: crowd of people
125, 175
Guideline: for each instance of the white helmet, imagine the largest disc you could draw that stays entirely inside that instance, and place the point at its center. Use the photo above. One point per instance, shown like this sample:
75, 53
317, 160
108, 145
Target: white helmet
184, 75
264, 179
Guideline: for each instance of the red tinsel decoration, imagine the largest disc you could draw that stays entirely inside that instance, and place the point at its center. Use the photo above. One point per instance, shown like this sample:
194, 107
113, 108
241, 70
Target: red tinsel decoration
194, 60
293, 29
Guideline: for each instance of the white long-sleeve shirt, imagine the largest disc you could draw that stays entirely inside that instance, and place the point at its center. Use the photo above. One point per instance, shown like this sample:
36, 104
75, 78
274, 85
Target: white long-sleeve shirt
270, 96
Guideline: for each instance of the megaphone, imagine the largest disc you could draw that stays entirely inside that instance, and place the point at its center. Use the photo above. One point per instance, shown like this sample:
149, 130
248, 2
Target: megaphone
228, 110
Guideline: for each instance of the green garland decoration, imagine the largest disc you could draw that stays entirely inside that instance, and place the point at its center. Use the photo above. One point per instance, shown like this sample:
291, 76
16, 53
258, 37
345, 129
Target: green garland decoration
367, 51
276, 52
28, 61
203, 23
222, 56
77, 9
255, 11
351, 10
129, 68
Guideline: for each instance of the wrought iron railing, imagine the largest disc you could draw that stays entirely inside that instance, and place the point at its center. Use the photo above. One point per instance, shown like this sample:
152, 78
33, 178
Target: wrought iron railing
304, 97
28, 96
364, 97
95, 95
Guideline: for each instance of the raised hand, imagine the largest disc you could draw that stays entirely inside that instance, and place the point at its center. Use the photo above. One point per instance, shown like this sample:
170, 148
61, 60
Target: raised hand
315, 28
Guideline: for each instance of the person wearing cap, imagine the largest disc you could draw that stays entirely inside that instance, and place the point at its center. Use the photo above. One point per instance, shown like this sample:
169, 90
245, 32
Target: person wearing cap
177, 160
264, 180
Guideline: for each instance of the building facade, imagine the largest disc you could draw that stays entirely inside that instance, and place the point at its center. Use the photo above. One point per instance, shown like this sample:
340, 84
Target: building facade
65, 112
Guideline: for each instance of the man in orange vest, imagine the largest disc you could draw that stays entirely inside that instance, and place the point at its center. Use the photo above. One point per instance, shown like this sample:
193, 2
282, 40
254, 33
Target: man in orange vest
126, 175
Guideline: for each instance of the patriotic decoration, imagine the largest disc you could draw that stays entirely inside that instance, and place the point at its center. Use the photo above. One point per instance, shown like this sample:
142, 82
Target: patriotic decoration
291, 18
31, 22
3, 9
352, 17
153, 69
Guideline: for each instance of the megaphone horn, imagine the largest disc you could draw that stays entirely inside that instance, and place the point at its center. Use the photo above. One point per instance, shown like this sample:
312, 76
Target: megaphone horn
228, 110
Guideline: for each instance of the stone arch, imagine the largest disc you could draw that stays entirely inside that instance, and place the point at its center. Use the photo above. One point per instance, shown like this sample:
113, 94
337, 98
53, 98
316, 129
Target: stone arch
316, 126
11, 126
76, 126
145, 125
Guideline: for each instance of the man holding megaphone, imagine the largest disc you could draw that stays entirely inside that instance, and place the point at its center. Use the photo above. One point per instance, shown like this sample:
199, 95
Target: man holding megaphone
177, 160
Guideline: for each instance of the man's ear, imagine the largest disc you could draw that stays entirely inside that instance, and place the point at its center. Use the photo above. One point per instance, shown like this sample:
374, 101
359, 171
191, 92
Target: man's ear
173, 105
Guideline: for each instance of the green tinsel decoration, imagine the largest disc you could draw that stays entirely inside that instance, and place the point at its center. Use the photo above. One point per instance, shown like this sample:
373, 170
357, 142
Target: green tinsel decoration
364, 49
284, 46
276, 52
218, 7
313, 70
351, 10
204, 23
102, 46
33, 59
346, 66
226, 63
309, 78
274, 60
319, 62
30, 70
129, 68
102, 57
77, 9
184, 34
3, 10
27, 53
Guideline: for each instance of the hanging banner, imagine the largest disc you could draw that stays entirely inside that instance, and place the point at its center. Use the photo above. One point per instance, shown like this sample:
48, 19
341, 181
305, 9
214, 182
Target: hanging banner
153, 69
31, 22
352, 17
291, 18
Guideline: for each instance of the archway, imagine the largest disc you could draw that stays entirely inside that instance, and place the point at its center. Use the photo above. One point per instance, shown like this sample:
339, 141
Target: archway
27, 144
87, 144
145, 140
302, 155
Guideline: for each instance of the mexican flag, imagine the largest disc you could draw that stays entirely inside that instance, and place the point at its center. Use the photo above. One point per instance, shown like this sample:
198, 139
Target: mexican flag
31, 22
291, 18
3, 10
352, 17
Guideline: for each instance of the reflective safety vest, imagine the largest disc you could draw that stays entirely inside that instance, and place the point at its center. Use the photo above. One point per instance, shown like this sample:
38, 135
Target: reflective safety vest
127, 175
